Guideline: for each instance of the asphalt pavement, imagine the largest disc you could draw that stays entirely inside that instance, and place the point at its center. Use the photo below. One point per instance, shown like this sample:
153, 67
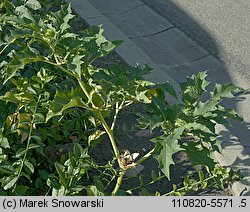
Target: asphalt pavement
220, 26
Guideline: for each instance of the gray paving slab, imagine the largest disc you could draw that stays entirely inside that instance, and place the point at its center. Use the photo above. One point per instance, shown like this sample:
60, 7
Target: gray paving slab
216, 70
140, 21
184, 57
170, 47
115, 6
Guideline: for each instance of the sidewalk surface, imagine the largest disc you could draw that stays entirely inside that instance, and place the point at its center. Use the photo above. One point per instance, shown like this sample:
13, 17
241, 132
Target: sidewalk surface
150, 38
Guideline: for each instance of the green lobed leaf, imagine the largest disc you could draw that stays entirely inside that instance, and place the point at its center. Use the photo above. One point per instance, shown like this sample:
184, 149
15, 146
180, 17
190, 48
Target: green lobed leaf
63, 16
159, 107
206, 108
224, 91
152, 122
142, 97
167, 87
194, 87
23, 12
166, 147
110, 46
63, 101
200, 81
96, 44
18, 63
219, 92
199, 126
221, 114
199, 155
77, 62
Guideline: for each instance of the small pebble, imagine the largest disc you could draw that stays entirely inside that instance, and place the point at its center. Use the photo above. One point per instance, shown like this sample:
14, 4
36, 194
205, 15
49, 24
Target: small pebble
143, 133
134, 171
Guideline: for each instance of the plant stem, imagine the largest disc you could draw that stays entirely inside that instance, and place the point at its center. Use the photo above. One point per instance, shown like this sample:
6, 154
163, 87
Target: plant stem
111, 137
108, 130
146, 184
59, 66
8, 44
110, 133
145, 157
117, 109
118, 183
83, 87
80, 82
186, 187
113, 177
26, 150
29, 138
115, 116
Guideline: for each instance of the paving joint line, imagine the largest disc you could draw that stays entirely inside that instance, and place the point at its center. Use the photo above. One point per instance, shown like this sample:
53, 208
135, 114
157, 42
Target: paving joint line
99, 16
200, 58
124, 11
187, 63
174, 25
152, 34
